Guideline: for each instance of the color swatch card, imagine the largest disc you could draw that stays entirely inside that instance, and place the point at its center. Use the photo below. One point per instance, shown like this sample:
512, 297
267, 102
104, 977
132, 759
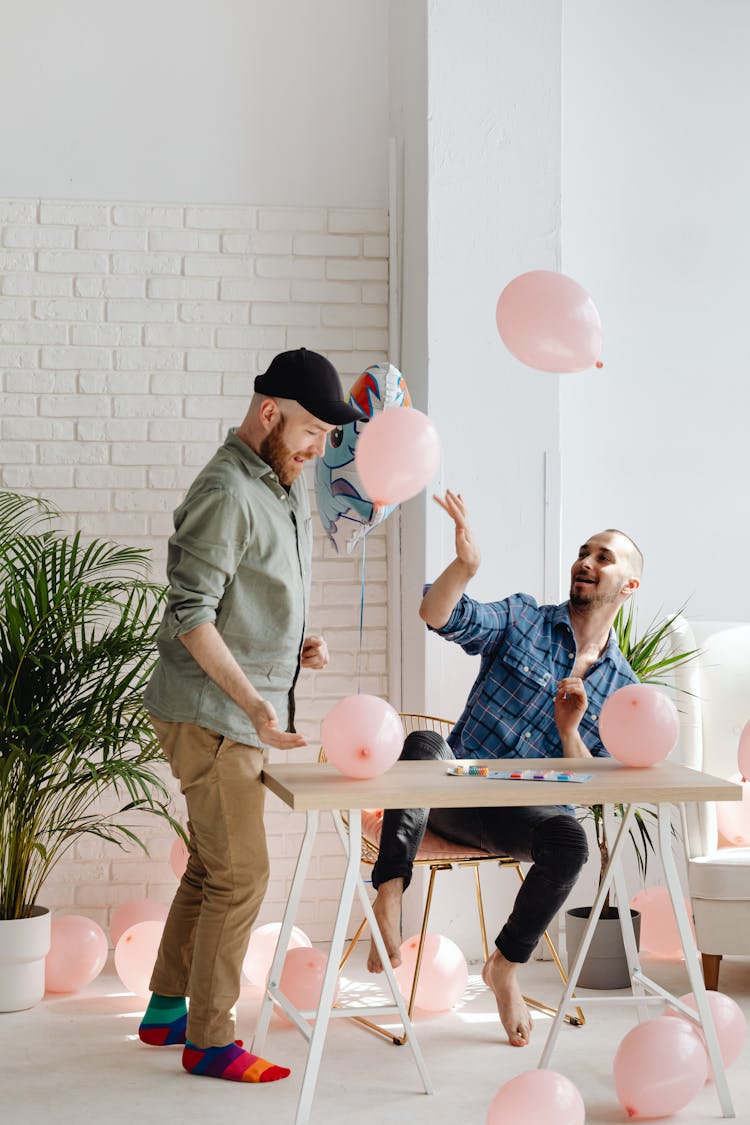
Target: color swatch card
517, 775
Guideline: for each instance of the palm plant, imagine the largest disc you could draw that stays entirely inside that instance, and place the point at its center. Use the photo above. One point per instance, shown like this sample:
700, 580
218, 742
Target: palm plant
77, 643
652, 659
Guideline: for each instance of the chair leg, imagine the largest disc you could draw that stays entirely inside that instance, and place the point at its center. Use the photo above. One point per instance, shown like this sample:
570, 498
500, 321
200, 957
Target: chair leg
578, 1020
711, 966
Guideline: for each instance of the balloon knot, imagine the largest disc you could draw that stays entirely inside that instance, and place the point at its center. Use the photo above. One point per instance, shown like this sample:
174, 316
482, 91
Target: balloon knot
364, 752
599, 364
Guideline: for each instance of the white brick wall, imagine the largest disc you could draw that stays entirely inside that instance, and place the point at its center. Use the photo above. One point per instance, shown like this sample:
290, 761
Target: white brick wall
129, 338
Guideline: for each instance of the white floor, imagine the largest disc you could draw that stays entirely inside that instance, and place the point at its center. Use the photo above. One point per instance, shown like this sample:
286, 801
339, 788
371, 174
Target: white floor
76, 1060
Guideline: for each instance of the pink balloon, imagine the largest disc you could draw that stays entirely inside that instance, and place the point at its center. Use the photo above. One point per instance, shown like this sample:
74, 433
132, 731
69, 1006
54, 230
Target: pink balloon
178, 857
135, 910
301, 978
729, 1021
639, 725
659, 933
397, 453
743, 754
538, 1097
362, 735
733, 817
549, 322
658, 1069
261, 948
135, 955
443, 973
77, 953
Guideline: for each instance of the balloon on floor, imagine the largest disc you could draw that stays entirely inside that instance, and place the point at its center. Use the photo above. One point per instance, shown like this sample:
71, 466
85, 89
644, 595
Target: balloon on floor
443, 972
77, 954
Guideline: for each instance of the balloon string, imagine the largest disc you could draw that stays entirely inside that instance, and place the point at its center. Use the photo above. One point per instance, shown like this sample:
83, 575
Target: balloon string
361, 617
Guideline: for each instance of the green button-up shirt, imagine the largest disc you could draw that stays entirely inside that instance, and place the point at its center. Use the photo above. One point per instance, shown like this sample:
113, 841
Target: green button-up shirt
239, 557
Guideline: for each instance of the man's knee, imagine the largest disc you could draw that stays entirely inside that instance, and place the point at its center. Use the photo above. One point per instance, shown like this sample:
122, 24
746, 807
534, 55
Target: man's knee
425, 745
561, 846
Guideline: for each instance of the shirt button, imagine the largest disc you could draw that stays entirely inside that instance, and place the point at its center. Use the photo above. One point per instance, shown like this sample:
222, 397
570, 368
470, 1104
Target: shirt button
528, 734
594, 715
525, 667
571, 655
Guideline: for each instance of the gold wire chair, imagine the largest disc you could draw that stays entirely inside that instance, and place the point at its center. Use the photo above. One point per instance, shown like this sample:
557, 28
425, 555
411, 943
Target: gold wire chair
442, 855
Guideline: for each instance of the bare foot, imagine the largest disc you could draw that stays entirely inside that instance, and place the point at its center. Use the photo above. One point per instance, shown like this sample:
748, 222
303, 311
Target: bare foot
387, 911
499, 975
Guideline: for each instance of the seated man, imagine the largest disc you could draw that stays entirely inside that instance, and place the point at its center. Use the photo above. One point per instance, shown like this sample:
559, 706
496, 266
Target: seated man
545, 673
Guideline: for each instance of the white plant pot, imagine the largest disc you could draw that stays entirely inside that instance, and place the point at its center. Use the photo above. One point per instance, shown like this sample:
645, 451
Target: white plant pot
24, 945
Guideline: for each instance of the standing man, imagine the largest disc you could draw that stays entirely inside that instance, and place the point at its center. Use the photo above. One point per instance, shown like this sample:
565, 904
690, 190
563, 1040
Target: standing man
231, 645
545, 673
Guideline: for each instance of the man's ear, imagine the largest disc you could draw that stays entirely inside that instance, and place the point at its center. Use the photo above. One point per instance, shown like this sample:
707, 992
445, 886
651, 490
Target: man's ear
268, 413
631, 586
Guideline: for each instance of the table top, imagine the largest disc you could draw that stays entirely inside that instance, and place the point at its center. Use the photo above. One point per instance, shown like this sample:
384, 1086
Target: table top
316, 785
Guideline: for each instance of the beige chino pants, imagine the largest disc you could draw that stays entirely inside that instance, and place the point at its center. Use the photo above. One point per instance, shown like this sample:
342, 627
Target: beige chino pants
208, 928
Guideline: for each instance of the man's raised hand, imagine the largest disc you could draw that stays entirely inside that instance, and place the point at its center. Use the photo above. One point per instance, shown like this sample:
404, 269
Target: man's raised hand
467, 551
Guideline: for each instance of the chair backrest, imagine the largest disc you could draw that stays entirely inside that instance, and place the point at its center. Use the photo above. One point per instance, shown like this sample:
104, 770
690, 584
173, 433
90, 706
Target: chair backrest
413, 721
714, 705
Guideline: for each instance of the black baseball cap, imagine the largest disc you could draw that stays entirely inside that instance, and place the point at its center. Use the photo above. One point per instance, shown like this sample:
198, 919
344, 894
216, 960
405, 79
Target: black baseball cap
312, 381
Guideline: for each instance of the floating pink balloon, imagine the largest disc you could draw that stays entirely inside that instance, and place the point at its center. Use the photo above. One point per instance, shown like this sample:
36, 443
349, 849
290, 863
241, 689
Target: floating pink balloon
135, 955
135, 910
397, 453
443, 973
729, 1021
77, 953
538, 1097
178, 857
743, 753
659, 933
639, 725
658, 1069
362, 736
261, 948
733, 817
301, 978
549, 322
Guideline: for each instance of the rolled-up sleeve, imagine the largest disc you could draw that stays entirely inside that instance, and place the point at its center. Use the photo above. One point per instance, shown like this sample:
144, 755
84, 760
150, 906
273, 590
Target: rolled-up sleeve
478, 626
204, 553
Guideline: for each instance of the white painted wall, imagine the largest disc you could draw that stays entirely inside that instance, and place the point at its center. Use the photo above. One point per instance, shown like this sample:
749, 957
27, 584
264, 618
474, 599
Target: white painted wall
656, 178
269, 101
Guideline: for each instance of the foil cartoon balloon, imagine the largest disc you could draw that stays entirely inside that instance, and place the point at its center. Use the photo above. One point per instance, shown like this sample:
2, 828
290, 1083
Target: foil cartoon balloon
343, 503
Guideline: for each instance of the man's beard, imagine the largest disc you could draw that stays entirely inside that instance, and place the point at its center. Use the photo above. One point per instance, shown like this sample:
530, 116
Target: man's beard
276, 453
593, 602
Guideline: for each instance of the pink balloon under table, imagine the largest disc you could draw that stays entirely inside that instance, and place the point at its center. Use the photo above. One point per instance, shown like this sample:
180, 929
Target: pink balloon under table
314, 788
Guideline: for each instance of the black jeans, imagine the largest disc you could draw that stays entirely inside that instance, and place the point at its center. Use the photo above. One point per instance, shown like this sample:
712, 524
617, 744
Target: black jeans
547, 836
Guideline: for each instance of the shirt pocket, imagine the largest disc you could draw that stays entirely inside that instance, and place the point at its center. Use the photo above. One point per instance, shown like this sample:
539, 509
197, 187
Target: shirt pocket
524, 679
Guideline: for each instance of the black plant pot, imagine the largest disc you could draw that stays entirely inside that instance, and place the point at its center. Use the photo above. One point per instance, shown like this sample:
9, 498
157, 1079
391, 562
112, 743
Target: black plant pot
605, 964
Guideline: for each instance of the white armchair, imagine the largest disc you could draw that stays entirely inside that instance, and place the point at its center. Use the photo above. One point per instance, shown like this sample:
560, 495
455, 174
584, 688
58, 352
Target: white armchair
712, 717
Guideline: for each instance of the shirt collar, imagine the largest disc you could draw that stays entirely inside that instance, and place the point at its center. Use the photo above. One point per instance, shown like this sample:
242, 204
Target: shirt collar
254, 464
561, 619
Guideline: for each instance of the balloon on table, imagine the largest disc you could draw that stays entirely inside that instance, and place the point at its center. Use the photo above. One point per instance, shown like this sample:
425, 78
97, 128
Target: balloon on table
77, 953
538, 1097
135, 955
262, 946
343, 502
743, 752
639, 725
729, 1021
733, 817
443, 973
397, 454
659, 1067
362, 736
135, 910
549, 322
659, 933
178, 857
301, 978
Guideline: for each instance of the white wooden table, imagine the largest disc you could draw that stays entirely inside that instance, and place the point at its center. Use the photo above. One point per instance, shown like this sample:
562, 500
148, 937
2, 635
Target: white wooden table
314, 788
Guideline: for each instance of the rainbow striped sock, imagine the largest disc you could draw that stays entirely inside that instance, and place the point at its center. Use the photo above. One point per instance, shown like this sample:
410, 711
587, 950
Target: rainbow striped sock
164, 1021
231, 1062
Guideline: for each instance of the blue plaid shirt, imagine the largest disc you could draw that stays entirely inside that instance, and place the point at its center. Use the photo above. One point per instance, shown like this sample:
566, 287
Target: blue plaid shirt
526, 649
